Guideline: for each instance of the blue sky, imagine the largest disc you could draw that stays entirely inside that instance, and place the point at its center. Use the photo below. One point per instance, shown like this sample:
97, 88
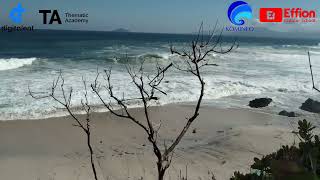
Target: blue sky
164, 16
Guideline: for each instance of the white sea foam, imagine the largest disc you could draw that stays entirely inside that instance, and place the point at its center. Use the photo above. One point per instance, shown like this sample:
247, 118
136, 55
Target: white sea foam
157, 55
14, 63
246, 73
315, 52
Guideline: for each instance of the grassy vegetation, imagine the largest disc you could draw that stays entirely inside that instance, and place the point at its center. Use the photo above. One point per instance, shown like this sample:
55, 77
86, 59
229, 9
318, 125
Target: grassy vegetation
296, 162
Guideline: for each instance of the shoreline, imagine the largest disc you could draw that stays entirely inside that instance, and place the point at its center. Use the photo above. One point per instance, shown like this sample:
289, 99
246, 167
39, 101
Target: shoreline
209, 103
96, 109
226, 140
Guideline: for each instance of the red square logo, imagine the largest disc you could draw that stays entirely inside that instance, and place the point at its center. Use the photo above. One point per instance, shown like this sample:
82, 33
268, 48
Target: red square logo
270, 14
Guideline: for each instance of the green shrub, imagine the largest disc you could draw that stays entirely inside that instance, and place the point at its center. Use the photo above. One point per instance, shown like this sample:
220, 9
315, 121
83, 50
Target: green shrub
289, 162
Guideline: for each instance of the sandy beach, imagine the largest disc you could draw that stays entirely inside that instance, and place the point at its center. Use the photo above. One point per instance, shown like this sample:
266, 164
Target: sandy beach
225, 140
159, 90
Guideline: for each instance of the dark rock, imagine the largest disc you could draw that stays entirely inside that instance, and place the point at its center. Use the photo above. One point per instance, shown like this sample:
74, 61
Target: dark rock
286, 113
311, 106
260, 102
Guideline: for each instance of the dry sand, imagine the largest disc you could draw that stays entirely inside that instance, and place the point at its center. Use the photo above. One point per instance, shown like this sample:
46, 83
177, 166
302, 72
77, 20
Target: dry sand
225, 140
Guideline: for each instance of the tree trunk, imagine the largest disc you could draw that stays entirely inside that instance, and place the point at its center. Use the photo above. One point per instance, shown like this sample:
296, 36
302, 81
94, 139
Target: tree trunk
161, 170
91, 156
161, 174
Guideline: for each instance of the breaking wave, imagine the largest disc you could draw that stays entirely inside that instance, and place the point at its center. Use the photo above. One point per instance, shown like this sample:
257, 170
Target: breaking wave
14, 63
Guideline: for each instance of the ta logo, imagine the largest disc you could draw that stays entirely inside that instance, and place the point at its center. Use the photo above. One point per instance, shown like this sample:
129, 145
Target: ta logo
16, 14
238, 11
54, 17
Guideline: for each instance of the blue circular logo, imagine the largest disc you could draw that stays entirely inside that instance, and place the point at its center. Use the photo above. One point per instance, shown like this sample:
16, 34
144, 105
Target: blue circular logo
238, 11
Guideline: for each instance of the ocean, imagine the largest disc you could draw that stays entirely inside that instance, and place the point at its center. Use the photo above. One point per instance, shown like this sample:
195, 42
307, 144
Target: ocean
259, 67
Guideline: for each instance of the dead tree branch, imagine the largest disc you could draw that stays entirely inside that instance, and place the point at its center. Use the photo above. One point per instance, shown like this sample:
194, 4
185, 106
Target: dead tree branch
200, 48
195, 58
147, 87
65, 101
313, 84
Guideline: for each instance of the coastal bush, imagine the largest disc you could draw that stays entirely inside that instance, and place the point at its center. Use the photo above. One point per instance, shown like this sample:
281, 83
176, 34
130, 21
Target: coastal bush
294, 162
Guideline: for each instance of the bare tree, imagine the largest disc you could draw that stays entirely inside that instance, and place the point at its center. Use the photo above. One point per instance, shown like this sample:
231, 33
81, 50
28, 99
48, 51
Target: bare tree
313, 161
65, 101
149, 85
313, 84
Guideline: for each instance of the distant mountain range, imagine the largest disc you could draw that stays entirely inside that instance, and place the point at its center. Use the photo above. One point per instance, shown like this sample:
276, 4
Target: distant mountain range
265, 32
120, 30
258, 32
